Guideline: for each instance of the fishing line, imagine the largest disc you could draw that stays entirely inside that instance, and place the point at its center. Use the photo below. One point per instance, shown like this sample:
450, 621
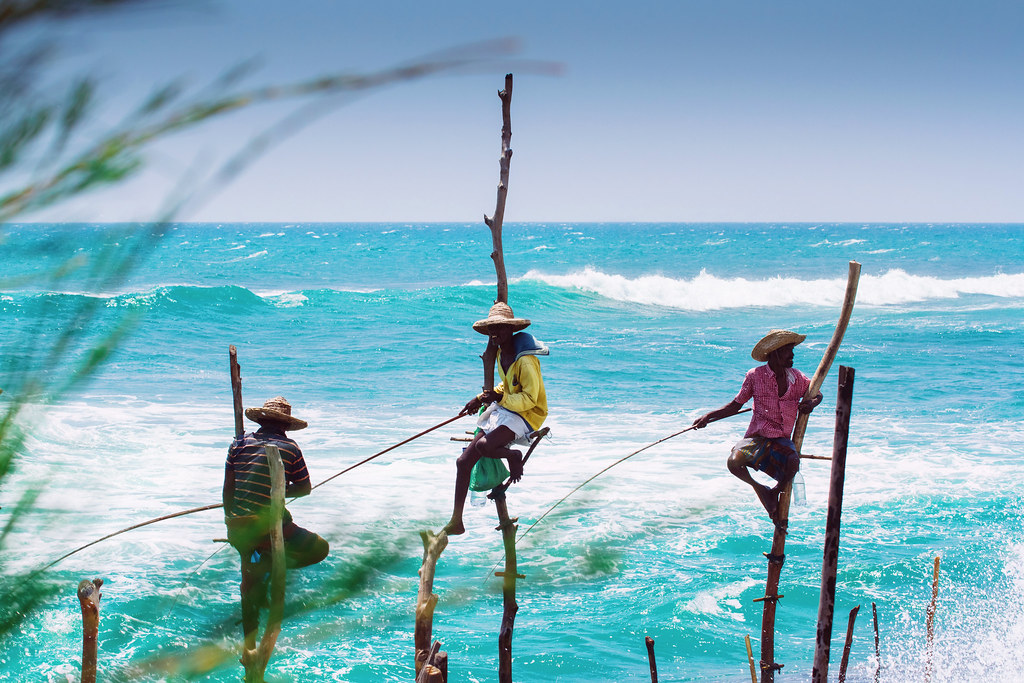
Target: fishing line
620, 460
220, 505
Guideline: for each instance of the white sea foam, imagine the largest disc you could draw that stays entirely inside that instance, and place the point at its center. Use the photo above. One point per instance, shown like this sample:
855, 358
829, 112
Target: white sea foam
708, 292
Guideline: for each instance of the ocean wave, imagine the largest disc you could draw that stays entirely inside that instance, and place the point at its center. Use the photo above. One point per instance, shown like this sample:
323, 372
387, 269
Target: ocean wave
708, 292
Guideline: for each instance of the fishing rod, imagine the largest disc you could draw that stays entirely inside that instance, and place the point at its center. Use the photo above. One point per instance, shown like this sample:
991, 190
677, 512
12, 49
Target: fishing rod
214, 506
620, 460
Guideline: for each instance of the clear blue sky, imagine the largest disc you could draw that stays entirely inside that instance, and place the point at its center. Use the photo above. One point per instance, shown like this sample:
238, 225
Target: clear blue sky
685, 110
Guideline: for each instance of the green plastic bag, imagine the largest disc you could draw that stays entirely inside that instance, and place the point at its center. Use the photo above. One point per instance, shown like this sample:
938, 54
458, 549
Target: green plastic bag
487, 474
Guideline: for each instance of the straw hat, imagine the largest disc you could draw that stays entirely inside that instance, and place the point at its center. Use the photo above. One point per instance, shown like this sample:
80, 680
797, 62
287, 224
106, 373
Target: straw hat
276, 410
775, 339
500, 314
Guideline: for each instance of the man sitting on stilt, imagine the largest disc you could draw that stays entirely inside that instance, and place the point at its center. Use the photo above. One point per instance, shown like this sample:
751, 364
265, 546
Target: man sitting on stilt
515, 408
778, 391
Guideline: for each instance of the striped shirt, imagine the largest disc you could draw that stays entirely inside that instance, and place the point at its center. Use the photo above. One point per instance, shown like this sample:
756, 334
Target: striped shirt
247, 460
773, 416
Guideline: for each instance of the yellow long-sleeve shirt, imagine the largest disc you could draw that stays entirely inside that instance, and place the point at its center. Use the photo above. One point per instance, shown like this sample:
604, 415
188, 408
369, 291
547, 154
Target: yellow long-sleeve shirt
522, 390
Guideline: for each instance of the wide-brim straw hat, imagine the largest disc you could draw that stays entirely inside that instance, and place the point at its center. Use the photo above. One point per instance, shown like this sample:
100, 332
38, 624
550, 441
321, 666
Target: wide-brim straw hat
276, 410
775, 339
500, 314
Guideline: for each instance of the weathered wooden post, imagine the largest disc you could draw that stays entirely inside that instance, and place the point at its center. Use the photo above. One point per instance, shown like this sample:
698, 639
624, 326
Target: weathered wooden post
878, 649
650, 658
236, 389
849, 644
255, 660
778, 552
830, 560
89, 597
426, 600
507, 526
750, 660
931, 623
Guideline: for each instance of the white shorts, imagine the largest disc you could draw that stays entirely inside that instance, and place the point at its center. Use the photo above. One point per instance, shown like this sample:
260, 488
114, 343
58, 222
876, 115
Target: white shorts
495, 416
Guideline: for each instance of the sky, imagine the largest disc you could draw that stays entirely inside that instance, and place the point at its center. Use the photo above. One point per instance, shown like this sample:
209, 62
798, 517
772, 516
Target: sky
684, 110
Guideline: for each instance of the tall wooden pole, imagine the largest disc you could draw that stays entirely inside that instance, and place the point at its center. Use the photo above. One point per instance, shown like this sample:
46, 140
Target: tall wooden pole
236, 389
845, 661
830, 560
89, 597
507, 526
778, 552
426, 600
495, 222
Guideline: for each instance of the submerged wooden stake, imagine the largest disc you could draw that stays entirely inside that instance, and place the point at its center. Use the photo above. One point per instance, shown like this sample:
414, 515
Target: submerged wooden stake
650, 658
849, 644
750, 660
878, 651
830, 559
507, 527
426, 601
778, 551
89, 597
931, 622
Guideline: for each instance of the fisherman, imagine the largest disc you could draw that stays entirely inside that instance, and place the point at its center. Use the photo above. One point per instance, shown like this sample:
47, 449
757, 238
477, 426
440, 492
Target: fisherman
778, 392
514, 409
247, 505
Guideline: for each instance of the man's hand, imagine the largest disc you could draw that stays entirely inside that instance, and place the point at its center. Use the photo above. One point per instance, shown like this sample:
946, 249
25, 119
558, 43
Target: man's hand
702, 421
807, 405
472, 405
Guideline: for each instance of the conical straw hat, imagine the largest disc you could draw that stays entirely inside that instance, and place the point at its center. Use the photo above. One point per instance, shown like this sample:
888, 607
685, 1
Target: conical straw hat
500, 314
775, 339
276, 410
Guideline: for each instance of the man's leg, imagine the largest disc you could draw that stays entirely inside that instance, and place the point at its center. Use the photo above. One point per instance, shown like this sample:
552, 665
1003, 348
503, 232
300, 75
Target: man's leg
302, 547
254, 589
770, 500
491, 445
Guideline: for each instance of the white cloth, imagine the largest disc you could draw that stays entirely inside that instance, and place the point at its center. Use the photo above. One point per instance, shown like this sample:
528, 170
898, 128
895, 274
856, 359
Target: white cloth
495, 416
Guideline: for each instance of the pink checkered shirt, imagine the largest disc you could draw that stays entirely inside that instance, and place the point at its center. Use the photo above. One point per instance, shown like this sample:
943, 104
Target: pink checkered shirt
773, 416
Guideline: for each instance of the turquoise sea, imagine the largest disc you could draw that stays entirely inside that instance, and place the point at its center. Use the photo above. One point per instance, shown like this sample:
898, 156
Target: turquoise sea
365, 329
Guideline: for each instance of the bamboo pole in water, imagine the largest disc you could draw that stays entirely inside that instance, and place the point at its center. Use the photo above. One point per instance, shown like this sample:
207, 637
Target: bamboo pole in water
849, 644
931, 622
89, 597
778, 552
830, 556
750, 660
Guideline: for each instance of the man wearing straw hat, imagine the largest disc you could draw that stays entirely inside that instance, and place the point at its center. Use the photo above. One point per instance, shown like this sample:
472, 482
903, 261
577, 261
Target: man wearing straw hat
778, 390
514, 409
247, 503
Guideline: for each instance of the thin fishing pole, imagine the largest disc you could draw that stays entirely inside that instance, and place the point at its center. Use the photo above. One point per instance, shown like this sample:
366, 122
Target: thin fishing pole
620, 460
220, 505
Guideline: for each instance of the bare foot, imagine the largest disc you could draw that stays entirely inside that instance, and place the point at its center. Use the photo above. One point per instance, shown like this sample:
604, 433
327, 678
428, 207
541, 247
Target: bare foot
454, 528
515, 465
769, 500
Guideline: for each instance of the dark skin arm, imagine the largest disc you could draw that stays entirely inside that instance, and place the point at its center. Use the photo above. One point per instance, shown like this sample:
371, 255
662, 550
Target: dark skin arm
228, 493
297, 489
732, 407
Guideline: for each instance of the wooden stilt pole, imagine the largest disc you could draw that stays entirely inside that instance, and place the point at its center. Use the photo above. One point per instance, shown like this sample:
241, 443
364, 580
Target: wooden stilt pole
255, 661
778, 552
507, 526
830, 560
650, 658
849, 644
426, 600
878, 650
931, 623
89, 597
236, 389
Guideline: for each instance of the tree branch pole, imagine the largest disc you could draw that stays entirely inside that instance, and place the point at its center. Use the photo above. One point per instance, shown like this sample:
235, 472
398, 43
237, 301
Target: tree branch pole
255, 661
778, 551
507, 527
495, 222
426, 600
845, 662
878, 650
650, 658
89, 596
236, 389
830, 559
